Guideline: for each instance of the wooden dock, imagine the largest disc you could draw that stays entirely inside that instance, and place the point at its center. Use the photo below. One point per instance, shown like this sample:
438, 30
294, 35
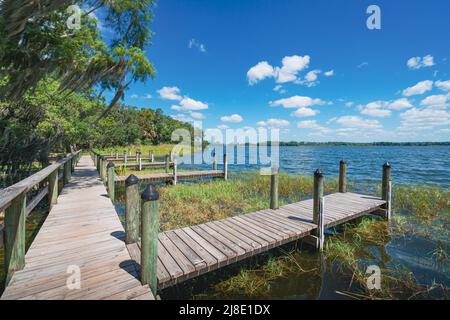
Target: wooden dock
82, 232
161, 177
189, 252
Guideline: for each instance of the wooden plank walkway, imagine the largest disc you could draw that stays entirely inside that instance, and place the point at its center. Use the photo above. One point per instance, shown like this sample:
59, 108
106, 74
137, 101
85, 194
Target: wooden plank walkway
188, 252
81, 230
188, 175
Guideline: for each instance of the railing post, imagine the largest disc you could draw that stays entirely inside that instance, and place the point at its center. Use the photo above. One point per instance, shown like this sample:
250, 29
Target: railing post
111, 184
317, 194
117, 154
124, 157
66, 174
174, 172
321, 224
53, 188
152, 156
274, 188
132, 209
385, 190
14, 236
149, 239
139, 160
215, 165
342, 176
167, 163
225, 166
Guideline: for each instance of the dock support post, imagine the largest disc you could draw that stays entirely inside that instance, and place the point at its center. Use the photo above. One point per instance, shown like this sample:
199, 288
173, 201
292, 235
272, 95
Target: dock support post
386, 189
225, 166
174, 172
125, 156
274, 188
53, 188
342, 176
132, 209
321, 224
111, 185
149, 238
167, 163
317, 194
14, 236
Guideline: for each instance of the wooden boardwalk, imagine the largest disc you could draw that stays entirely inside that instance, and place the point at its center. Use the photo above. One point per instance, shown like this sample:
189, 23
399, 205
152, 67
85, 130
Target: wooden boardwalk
188, 252
188, 175
81, 231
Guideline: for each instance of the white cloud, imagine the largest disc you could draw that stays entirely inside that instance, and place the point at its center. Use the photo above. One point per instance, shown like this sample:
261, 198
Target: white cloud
223, 127
259, 72
196, 44
420, 119
349, 104
279, 88
308, 124
443, 85
192, 105
182, 117
375, 109
400, 104
134, 96
235, 118
148, 96
357, 122
305, 112
419, 88
170, 93
275, 123
418, 62
176, 108
437, 101
311, 78
297, 102
329, 73
363, 64
197, 115
291, 66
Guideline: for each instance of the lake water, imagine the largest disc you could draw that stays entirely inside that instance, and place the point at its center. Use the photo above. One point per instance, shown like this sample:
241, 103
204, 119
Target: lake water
418, 165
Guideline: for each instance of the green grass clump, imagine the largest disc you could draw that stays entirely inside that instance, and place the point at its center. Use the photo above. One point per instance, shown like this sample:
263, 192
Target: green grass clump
160, 151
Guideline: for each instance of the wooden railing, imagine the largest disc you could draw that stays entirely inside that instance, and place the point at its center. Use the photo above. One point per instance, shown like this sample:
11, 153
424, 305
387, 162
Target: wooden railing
16, 206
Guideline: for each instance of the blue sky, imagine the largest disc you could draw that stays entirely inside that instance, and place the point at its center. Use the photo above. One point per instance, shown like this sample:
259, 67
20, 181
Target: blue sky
311, 68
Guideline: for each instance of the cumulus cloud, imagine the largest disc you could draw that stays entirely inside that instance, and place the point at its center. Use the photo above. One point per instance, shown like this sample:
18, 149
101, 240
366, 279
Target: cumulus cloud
235, 118
197, 115
134, 96
329, 73
279, 88
297, 102
275, 123
182, 117
169, 93
419, 88
358, 122
436, 101
427, 118
305, 112
418, 62
400, 104
443, 85
375, 109
259, 72
191, 104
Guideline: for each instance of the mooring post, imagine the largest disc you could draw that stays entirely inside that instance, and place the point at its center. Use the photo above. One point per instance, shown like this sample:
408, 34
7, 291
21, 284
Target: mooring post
175, 172
149, 238
317, 194
111, 184
167, 163
14, 236
132, 209
342, 176
225, 166
274, 188
138, 155
386, 190
321, 224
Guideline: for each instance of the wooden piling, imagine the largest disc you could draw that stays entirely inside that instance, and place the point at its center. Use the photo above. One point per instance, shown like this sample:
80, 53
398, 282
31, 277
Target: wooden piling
14, 236
274, 188
132, 209
174, 172
317, 194
149, 238
321, 224
342, 176
225, 166
385, 190
167, 163
111, 184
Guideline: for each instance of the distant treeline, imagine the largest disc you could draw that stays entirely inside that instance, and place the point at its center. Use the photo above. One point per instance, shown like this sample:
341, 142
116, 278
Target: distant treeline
303, 143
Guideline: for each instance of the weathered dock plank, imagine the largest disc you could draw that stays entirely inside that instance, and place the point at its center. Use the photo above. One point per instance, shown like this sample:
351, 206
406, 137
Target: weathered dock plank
81, 231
